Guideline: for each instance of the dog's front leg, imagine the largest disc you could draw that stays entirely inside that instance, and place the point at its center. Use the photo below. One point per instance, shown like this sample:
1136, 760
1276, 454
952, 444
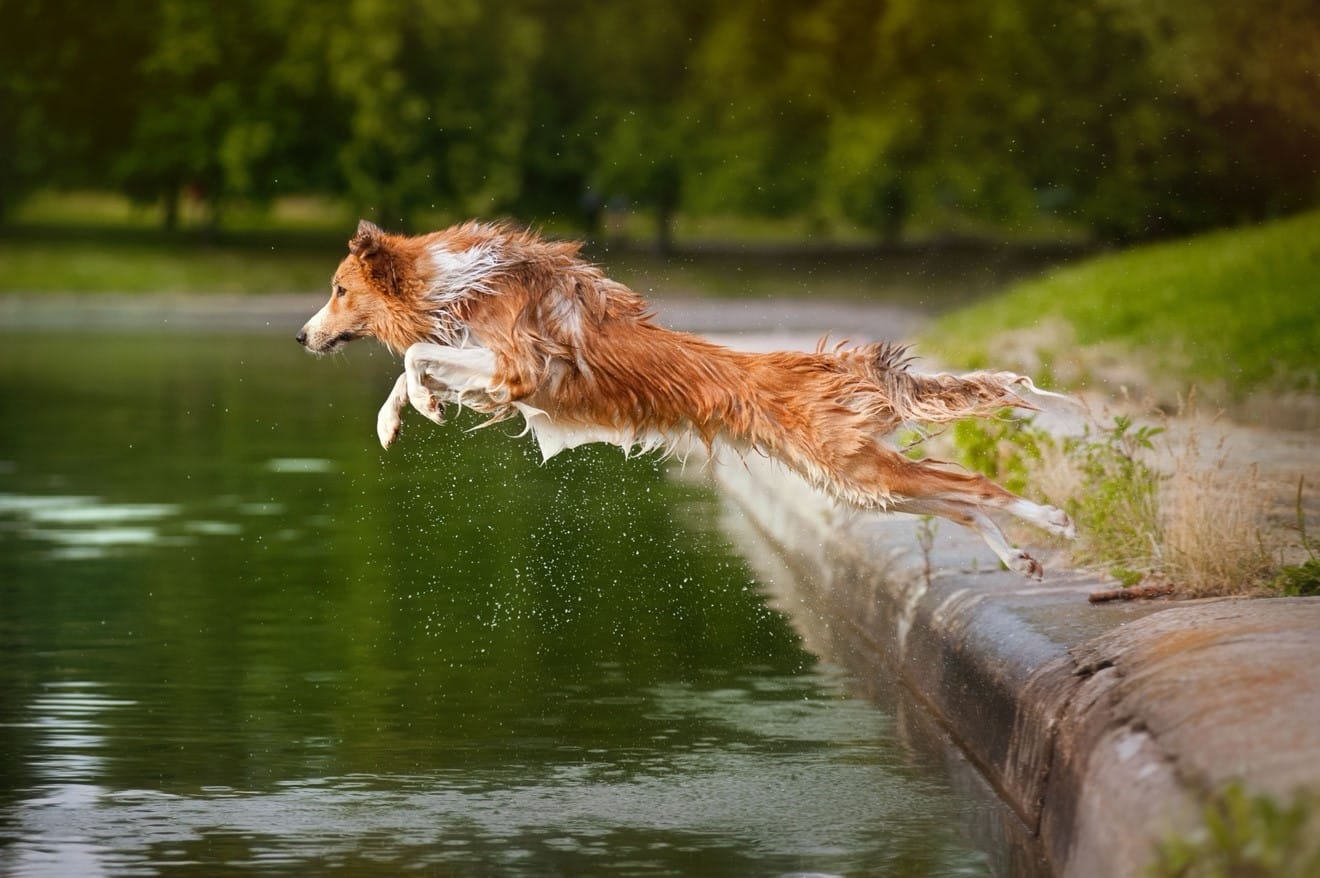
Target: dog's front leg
409, 388
438, 374
432, 376
388, 421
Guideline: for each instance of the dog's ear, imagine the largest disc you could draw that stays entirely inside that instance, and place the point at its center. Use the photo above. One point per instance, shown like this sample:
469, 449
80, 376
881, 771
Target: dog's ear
378, 256
367, 240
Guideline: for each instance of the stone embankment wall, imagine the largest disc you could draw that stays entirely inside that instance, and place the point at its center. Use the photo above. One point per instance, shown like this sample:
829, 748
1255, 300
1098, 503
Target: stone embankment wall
1104, 727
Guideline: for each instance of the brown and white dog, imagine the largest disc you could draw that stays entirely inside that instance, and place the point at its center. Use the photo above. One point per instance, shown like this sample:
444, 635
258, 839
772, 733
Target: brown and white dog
506, 323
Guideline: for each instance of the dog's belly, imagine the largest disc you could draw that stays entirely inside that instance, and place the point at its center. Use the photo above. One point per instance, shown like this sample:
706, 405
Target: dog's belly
554, 436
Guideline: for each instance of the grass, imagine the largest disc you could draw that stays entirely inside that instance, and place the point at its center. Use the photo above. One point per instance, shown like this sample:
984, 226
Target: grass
1232, 311
159, 266
155, 266
1148, 508
109, 211
1228, 318
1245, 835
89, 242
1303, 579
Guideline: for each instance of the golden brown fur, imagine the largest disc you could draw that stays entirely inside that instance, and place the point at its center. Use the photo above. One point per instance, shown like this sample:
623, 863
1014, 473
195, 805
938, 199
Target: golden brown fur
508, 323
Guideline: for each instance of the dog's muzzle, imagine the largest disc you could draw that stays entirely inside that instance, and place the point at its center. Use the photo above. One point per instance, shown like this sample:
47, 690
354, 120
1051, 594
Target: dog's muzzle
326, 347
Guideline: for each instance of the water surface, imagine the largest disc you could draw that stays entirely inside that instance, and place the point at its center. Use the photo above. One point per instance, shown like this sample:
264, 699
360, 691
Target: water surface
235, 634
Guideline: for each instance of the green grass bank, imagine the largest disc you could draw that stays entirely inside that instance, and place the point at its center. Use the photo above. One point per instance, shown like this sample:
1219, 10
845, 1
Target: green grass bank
1231, 312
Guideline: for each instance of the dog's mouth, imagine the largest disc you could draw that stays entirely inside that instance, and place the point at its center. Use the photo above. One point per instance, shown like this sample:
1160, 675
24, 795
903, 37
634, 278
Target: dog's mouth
330, 345
340, 340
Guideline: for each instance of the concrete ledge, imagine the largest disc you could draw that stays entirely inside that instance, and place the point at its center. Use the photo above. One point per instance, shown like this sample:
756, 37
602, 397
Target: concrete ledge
1103, 727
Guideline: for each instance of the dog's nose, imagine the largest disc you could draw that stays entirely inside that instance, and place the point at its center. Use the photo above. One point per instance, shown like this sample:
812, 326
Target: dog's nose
301, 337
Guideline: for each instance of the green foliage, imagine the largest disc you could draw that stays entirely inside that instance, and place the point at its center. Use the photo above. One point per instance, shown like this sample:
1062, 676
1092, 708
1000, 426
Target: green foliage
436, 99
1245, 836
1232, 308
1230, 56
1117, 506
889, 115
1115, 503
1004, 448
1127, 577
1299, 580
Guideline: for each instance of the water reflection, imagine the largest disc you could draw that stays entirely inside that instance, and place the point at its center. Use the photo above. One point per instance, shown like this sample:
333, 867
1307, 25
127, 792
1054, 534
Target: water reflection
760, 773
235, 634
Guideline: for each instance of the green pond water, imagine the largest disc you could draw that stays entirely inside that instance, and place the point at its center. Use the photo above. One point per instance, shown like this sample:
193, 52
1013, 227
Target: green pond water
237, 636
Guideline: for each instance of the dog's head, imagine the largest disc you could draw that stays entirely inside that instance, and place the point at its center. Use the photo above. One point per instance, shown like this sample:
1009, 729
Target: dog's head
366, 295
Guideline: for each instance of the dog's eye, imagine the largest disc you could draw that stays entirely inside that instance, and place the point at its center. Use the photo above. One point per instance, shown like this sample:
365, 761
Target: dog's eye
339, 291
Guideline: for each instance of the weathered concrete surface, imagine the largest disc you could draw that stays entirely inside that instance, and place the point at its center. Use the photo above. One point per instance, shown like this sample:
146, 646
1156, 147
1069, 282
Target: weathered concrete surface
1102, 726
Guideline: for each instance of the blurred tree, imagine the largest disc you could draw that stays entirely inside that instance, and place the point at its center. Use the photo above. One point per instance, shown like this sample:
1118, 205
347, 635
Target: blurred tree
1131, 118
437, 99
67, 104
760, 111
562, 127
1252, 71
645, 119
207, 125
1000, 109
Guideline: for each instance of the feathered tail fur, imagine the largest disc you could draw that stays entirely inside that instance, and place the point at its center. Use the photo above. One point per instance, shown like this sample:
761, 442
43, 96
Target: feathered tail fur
936, 398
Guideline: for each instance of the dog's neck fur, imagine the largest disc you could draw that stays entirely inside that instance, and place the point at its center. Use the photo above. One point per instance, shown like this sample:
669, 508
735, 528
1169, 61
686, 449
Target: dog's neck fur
468, 267
459, 273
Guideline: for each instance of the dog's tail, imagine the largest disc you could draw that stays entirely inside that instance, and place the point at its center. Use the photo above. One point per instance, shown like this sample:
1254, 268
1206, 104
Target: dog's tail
939, 397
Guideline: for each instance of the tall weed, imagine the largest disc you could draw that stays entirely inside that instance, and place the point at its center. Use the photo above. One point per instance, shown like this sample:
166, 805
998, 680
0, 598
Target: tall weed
1143, 510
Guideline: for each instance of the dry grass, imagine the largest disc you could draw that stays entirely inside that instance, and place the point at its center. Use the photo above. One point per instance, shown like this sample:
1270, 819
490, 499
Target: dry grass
1214, 524
1152, 504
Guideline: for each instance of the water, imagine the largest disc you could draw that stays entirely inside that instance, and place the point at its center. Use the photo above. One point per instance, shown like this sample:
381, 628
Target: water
236, 635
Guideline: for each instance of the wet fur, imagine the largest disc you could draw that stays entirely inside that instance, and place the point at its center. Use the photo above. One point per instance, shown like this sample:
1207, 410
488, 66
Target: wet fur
507, 323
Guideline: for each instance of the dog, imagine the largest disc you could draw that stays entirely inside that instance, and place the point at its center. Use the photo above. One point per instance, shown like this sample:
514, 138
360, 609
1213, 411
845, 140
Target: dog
508, 323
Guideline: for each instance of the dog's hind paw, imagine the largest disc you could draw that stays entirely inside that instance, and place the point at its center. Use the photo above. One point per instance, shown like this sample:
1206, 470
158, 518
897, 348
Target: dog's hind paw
1060, 523
1048, 518
1021, 562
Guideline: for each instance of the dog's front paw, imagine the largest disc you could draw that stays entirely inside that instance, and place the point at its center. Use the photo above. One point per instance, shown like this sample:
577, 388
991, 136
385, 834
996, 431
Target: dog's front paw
436, 411
428, 403
387, 427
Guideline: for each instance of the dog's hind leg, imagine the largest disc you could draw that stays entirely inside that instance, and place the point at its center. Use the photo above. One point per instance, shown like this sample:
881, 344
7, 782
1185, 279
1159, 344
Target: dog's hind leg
883, 478
969, 516
924, 480
1048, 518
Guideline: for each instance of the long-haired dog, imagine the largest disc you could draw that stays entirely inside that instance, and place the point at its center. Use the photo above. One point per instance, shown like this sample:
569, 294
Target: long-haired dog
507, 323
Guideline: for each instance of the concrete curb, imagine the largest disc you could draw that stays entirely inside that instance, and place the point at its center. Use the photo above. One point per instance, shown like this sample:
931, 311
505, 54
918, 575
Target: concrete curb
1103, 727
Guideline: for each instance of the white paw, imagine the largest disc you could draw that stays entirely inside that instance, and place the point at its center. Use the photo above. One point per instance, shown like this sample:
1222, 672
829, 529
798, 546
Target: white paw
387, 426
428, 404
1058, 522
1021, 562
